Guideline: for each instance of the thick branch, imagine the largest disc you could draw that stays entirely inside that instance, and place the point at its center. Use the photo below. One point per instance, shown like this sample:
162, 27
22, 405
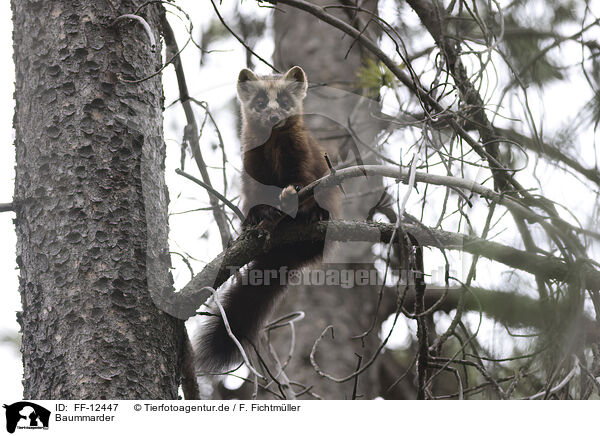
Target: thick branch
432, 17
455, 183
487, 151
252, 243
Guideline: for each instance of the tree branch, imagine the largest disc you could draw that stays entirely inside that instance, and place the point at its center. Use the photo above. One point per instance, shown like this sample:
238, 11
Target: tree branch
552, 152
508, 307
408, 81
427, 13
456, 183
214, 192
254, 242
192, 130
6, 207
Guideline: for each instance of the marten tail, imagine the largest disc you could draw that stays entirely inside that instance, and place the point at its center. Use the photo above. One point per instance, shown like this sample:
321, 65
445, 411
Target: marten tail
247, 303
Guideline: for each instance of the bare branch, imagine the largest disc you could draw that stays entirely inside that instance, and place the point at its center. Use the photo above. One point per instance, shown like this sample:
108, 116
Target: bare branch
214, 192
252, 243
241, 41
558, 387
455, 183
192, 131
552, 152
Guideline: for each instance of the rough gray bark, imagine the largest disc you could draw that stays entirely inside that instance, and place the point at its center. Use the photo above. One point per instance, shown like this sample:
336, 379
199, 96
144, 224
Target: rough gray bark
90, 200
327, 57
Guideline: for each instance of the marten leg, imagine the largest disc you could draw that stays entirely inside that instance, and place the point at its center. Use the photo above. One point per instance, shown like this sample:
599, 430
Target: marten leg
259, 213
308, 210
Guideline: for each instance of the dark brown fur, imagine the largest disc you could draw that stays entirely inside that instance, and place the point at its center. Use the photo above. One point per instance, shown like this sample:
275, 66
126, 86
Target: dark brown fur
278, 161
290, 157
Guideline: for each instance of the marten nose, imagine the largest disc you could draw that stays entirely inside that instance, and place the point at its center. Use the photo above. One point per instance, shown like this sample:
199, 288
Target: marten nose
274, 119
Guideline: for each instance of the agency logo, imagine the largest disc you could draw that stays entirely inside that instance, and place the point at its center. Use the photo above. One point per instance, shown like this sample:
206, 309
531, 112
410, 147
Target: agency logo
26, 415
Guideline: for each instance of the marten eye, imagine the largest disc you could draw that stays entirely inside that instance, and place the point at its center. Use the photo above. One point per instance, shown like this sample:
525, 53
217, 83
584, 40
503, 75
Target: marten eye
260, 101
261, 104
284, 101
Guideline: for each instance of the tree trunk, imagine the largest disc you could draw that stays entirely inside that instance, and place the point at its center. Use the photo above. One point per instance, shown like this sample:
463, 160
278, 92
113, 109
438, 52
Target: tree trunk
91, 203
334, 60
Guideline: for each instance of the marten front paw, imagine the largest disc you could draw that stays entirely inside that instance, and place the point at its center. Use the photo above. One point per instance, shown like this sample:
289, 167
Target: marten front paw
259, 213
289, 198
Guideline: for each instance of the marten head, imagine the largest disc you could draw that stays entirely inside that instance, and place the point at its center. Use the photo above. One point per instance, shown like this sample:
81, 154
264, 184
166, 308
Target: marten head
268, 102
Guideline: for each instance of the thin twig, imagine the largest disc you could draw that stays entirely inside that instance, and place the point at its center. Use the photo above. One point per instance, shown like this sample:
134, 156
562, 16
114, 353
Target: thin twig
559, 386
192, 131
214, 192
354, 389
240, 39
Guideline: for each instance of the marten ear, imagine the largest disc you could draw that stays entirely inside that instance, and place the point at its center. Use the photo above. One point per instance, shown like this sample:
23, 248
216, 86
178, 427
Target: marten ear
244, 85
298, 83
247, 75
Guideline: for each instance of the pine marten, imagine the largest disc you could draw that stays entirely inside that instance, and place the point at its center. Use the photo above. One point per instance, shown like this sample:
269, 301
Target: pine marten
280, 157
